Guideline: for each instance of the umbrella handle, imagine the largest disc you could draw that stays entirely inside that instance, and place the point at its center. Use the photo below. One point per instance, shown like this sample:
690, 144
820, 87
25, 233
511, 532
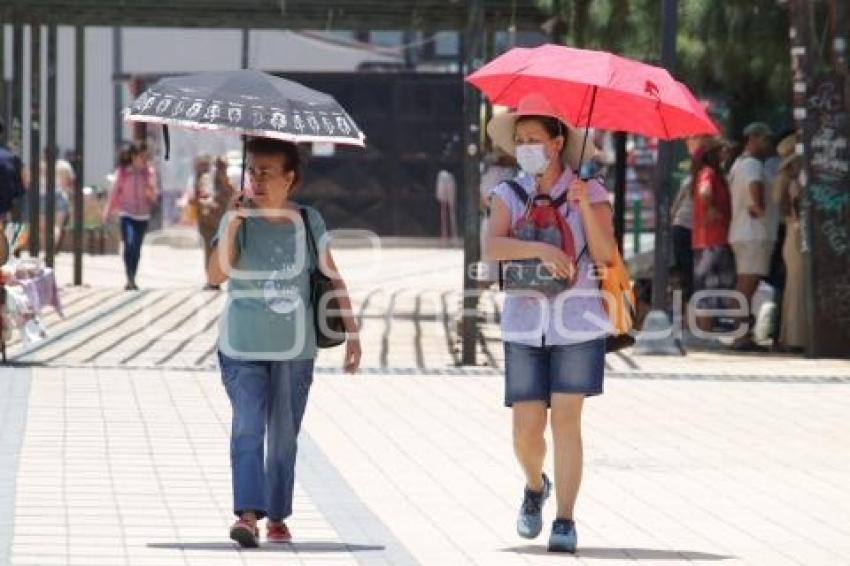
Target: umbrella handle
166, 140
242, 182
586, 132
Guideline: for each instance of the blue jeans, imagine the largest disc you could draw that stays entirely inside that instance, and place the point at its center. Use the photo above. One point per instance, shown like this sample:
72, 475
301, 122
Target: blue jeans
132, 234
266, 397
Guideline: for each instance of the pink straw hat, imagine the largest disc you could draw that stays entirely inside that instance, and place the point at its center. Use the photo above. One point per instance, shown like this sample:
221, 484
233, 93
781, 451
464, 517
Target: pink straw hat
501, 129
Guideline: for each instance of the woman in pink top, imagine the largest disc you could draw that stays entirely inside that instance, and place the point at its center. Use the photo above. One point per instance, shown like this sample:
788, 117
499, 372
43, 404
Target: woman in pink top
132, 196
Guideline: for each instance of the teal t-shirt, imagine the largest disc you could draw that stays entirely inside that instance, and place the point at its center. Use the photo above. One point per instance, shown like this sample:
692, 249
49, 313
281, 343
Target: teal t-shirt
268, 315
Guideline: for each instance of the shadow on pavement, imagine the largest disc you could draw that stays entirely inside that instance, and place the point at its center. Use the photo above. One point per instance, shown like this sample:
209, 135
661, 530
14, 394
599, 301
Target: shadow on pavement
308, 547
625, 553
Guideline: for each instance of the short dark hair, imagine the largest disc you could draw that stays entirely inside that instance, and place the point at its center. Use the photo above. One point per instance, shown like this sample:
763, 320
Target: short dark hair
270, 146
124, 158
553, 126
127, 151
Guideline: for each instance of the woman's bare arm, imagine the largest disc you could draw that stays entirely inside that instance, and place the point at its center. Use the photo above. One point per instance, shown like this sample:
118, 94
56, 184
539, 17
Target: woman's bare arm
353, 351
501, 247
599, 230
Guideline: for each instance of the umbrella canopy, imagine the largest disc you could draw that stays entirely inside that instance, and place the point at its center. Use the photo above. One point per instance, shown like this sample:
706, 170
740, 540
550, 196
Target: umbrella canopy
246, 102
596, 89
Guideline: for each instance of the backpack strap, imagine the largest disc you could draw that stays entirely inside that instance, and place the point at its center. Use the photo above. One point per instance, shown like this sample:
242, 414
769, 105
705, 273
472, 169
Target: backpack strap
560, 201
312, 249
524, 197
519, 192
583, 250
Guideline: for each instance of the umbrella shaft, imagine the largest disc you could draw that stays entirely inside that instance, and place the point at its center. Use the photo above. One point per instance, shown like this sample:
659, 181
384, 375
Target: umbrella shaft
587, 129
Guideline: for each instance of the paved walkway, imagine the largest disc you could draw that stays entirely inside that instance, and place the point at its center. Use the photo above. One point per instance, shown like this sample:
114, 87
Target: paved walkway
113, 447
130, 467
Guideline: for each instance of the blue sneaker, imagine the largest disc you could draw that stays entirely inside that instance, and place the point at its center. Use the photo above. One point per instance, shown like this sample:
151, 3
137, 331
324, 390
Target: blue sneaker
530, 520
564, 537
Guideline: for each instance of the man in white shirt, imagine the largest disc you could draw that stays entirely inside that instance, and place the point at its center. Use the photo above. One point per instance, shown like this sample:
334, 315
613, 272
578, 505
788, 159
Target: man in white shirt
752, 232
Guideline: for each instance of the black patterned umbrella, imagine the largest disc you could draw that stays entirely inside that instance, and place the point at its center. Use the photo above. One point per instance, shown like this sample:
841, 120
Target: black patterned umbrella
246, 102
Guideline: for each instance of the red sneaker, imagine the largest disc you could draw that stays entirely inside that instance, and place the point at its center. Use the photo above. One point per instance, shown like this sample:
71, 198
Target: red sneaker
245, 534
278, 532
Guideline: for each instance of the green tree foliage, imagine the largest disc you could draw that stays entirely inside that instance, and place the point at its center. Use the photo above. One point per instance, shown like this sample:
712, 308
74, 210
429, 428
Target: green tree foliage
735, 51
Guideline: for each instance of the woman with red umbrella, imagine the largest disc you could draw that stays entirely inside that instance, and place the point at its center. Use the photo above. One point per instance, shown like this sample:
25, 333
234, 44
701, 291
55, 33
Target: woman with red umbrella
555, 346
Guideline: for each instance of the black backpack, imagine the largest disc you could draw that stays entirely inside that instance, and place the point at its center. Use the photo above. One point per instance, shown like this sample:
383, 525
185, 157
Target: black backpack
11, 185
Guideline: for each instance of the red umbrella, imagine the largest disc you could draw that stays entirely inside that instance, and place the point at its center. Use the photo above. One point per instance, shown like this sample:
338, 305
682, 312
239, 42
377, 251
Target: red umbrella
596, 89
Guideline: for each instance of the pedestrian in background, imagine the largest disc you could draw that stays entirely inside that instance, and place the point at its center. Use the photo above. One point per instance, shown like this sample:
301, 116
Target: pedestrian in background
211, 210
751, 232
133, 195
681, 220
787, 192
64, 187
12, 186
446, 193
714, 265
205, 201
198, 186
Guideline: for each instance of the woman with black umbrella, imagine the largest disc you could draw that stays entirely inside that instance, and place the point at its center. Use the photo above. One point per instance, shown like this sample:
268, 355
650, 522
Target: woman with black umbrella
268, 331
267, 343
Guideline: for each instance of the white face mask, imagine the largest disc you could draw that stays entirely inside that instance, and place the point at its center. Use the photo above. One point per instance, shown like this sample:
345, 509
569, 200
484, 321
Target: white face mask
532, 158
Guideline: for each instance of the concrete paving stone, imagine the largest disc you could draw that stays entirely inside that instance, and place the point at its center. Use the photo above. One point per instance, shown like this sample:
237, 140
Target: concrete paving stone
34, 529
38, 549
88, 560
38, 560
86, 549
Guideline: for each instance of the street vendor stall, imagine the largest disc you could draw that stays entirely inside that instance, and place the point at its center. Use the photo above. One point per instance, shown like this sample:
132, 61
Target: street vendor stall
26, 287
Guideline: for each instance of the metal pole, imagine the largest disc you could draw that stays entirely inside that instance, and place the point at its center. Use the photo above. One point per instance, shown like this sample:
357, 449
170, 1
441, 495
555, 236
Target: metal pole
658, 320
662, 198
246, 48
35, 139
16, 111
473, 44
620, 188
79, 153
50, 213
15, 134
637, 225
117, 89
4, 111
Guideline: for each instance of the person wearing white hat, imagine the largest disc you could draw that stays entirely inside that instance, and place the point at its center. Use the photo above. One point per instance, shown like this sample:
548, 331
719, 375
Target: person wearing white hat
787, 192
554, 347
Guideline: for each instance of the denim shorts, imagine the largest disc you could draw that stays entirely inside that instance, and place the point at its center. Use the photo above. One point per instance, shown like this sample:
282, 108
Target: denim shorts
534, 373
